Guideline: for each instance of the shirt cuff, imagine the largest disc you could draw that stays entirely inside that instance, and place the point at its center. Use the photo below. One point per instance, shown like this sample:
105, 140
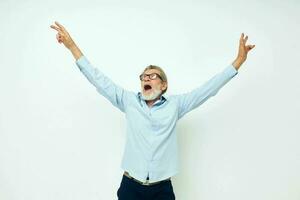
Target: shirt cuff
231, 70
82, 61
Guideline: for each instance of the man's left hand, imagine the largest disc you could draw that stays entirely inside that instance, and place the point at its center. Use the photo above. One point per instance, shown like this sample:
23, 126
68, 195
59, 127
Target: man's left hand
243, 51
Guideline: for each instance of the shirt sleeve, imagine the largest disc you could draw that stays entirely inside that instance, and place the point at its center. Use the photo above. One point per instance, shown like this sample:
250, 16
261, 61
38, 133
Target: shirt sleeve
191, 100
106, 87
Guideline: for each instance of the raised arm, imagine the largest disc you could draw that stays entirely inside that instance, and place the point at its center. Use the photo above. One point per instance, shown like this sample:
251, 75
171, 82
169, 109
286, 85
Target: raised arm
104, 85
193, 99
64, 37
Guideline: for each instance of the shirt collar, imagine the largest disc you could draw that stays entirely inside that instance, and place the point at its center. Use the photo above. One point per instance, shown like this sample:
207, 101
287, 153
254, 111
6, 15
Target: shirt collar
162, 99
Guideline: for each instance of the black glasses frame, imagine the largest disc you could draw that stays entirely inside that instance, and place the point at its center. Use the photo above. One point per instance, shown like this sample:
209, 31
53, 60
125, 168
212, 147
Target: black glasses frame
143, 76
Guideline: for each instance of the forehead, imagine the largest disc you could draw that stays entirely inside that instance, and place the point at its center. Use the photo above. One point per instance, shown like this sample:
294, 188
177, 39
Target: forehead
150, 71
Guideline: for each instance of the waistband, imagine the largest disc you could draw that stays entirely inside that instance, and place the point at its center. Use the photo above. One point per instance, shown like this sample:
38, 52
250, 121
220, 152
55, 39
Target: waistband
147, 181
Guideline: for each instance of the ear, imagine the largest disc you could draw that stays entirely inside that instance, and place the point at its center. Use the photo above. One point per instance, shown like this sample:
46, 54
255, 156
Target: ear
164, 85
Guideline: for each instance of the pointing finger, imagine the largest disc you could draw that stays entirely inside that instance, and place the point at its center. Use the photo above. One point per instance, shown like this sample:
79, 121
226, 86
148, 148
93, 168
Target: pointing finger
242, 36
60, 26
246, 38
242, 39
54, 27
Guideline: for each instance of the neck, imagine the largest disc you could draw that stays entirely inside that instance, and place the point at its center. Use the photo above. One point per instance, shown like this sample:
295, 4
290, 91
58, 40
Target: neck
151, 102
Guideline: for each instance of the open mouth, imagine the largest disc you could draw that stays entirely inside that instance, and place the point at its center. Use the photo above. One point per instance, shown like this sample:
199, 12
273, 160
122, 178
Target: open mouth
147, 87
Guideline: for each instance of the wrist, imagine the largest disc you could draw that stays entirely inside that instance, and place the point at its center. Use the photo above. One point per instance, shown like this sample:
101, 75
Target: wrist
238, 62
240, 59
72, 46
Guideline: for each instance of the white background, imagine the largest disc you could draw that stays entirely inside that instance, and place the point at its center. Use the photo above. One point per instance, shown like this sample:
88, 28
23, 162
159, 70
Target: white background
61, 140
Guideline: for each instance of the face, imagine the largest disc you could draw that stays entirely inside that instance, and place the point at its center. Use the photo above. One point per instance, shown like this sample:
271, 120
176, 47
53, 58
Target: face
151, 89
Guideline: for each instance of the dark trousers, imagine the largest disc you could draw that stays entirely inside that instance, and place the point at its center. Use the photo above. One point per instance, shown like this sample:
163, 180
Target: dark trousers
131, 190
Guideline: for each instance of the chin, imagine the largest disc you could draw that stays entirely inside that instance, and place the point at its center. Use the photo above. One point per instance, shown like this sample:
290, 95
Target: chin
153, 95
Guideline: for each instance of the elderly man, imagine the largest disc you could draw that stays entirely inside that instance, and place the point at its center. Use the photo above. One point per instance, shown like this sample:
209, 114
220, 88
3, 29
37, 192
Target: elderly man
150, 158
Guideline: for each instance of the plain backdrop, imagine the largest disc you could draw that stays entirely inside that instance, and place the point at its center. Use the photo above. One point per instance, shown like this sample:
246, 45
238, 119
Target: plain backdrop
61, 140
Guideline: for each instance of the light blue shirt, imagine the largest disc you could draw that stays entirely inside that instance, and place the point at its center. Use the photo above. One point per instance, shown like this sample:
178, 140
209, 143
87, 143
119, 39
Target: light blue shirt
151, 138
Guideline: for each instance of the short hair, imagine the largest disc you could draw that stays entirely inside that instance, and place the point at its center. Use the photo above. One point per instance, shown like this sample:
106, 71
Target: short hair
161, 73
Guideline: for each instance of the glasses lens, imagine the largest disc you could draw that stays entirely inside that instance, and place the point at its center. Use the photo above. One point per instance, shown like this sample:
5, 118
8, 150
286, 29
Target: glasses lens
153, 76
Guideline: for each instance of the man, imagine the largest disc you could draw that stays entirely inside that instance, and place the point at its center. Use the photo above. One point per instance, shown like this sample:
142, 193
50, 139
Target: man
150, 156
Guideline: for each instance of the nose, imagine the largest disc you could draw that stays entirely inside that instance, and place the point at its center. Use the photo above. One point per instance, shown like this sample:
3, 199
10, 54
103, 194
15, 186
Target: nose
147, 78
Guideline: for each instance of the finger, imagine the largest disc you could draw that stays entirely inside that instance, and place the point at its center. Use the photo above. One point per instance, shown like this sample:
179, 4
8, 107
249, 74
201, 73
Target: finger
242, 40
242, 36
246, 38
60, 26
60, 36
59, 39
56, 28
249, 47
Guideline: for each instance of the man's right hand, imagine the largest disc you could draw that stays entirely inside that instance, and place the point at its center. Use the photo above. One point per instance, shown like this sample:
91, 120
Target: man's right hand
64, 37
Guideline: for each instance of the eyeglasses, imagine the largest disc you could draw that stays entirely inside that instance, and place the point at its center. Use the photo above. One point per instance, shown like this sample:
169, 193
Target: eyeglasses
152, 76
